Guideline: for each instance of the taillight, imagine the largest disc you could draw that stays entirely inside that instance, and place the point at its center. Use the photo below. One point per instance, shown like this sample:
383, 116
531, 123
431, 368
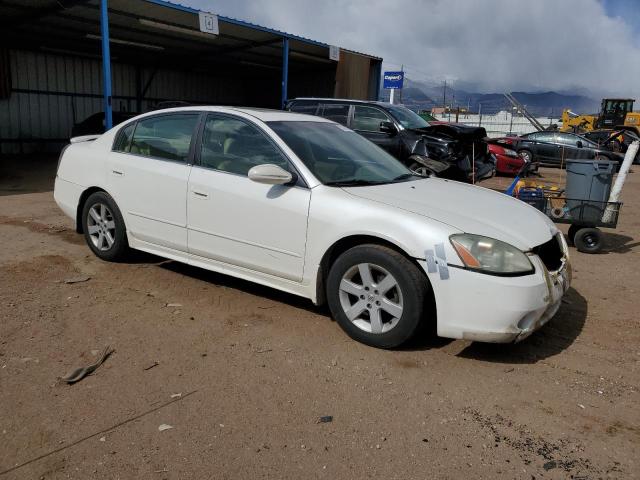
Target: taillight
60, 157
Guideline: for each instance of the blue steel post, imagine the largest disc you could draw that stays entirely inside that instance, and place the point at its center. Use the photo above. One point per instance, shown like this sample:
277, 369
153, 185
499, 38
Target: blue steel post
285, 70
106, 64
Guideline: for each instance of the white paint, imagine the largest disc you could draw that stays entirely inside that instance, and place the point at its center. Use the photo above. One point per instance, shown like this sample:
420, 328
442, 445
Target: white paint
277, 235
334, 53
208, 23
616, 190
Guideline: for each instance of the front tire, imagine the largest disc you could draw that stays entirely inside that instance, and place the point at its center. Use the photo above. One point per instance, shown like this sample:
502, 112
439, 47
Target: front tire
573, 229
104, 228
376, 295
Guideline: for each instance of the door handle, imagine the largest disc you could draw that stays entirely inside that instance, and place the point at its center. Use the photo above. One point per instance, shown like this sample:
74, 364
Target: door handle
200, 194
117, 173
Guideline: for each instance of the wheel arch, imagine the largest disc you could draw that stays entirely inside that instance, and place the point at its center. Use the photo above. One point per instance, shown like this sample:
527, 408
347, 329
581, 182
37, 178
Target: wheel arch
525, 149
345, 243
81, 201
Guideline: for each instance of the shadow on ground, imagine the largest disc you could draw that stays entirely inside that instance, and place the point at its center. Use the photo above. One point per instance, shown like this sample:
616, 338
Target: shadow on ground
27, 174
553, 338
550, 340
220, 279
618, 243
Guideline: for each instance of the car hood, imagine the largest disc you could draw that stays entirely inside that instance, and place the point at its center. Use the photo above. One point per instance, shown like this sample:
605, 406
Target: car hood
468, 208
460, 132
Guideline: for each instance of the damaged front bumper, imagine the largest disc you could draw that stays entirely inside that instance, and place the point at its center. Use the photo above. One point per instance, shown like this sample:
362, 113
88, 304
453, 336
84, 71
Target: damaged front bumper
558, 283
485, 308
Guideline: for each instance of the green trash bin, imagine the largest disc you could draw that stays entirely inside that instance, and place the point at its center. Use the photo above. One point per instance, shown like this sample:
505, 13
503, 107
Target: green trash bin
588, 188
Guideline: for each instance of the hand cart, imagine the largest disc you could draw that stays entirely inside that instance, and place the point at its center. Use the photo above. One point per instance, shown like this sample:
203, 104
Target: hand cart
583, 216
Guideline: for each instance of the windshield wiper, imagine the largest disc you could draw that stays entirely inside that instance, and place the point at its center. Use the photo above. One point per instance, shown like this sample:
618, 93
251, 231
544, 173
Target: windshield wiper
405, 176
352, 183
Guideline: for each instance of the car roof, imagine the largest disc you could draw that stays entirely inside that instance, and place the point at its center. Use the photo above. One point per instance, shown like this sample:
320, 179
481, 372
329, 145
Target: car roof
264, 114
349, 100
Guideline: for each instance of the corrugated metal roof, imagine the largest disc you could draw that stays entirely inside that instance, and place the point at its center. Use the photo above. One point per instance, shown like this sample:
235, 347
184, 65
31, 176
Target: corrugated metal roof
179, 6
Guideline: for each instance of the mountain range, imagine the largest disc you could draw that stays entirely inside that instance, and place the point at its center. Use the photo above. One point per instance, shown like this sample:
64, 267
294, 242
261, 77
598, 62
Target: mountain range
422, 96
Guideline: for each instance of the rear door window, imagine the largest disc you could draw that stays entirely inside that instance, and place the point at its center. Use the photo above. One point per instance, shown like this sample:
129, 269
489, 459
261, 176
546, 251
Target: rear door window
544, 137
564, 139
123, 140
167, 137
335, 111
303, 106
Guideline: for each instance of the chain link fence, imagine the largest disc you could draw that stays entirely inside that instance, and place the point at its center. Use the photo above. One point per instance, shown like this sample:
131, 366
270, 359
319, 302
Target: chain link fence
498, 124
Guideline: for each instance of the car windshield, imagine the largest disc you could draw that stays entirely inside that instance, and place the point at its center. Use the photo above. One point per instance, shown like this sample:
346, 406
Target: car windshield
406, 117
338, 156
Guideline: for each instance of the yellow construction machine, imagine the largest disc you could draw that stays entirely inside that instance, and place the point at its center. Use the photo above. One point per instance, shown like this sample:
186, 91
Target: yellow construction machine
615, 113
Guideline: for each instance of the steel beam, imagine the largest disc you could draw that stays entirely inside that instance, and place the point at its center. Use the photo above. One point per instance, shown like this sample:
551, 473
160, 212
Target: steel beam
106, 64
285, 70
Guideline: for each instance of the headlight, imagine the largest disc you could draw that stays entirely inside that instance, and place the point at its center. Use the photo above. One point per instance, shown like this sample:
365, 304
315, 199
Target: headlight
490, 255
510, 153
450, 150
563, 244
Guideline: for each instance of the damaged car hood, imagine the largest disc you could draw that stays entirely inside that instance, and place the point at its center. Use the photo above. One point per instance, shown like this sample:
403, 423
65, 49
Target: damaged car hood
468, 208
460, 132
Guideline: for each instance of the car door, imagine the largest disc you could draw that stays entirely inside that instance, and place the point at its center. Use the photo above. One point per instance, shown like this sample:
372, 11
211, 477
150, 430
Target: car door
568, 147
583, 148
235, 220
366, 121
337, 112
148, 171
541, 145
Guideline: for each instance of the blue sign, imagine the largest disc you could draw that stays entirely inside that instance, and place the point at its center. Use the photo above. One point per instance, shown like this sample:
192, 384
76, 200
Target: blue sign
392, 80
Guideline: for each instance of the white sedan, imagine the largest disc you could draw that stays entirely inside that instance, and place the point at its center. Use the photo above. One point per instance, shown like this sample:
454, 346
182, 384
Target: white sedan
305, 205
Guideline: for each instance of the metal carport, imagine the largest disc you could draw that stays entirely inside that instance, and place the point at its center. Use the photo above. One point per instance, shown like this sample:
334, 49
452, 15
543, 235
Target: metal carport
53, 71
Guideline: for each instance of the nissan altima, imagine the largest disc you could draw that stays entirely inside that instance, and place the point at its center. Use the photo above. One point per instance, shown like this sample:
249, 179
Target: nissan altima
305, 205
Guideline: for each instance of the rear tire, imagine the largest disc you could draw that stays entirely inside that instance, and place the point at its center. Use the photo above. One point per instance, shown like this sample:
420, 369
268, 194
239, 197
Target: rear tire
526, 155
377, 295
104, 228
588, 240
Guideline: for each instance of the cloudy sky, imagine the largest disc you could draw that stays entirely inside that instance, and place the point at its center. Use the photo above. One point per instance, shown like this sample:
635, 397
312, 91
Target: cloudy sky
576, 46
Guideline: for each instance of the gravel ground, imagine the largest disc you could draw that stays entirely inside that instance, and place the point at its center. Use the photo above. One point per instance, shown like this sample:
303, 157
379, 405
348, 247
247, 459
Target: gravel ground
243, 373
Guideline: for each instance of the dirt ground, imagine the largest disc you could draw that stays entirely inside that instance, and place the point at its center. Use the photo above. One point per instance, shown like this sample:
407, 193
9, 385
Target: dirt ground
243, 373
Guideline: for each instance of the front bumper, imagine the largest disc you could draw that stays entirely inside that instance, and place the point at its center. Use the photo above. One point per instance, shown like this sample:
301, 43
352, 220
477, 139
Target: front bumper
479, 307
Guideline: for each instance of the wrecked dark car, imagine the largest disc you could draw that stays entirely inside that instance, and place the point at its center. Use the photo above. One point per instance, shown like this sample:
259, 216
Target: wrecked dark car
452, 151
95, 125
616, 140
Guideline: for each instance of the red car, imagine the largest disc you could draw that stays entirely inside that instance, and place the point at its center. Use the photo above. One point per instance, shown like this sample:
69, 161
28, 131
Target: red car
507, 160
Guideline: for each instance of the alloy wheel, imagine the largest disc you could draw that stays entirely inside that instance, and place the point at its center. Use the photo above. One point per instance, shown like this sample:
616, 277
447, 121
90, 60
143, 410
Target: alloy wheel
101, 226
371, 298
525, 156
420, 169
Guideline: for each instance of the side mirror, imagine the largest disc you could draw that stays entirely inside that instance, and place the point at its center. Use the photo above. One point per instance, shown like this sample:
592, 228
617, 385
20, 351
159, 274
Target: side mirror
579, 144
388, 127
270, 174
